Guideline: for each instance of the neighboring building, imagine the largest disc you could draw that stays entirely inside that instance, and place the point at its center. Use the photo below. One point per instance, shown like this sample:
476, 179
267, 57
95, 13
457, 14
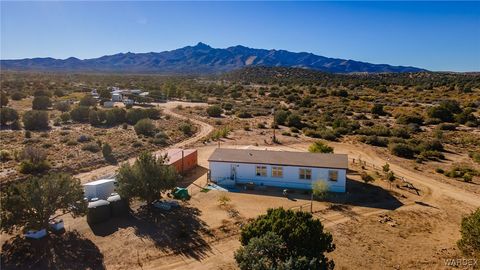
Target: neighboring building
108, 104
183, 162
297, 170
117, 96
94, 93
128, 102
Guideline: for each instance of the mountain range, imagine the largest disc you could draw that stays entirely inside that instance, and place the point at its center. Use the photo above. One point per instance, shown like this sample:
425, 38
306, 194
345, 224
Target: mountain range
200, 59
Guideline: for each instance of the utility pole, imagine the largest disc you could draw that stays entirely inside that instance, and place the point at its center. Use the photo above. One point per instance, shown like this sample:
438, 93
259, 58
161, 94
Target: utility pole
274, 125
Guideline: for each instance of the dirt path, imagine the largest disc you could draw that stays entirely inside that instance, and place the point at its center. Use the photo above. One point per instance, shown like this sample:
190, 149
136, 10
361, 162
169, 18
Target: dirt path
204, 130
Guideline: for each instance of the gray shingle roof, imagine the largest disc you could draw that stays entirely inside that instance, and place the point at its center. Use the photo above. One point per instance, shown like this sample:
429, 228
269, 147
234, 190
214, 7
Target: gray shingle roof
301, 159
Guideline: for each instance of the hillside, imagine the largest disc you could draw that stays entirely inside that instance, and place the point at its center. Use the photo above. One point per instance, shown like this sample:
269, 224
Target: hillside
200, 59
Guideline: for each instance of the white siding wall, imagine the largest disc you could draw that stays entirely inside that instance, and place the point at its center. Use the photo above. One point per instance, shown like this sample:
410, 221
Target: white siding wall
221, 172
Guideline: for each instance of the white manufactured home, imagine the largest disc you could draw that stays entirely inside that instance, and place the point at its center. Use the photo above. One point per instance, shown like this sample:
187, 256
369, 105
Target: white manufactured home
296, 170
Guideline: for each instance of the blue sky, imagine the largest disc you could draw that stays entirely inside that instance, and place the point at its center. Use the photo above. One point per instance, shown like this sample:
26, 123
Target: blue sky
432, 35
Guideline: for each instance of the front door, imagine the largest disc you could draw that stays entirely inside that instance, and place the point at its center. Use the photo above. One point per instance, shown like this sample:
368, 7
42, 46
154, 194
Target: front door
233, 172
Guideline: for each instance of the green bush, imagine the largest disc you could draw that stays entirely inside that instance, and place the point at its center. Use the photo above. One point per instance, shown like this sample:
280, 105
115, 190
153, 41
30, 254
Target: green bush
244, 114
320, 147
33, 160
459, 171
63, 106
115, 116
84, 138
227, 106
377, 130
87, 101
80, 114
469, 244
27, 167
91, 147
294, 120
145, 127
447, 126
186, 128
38, 93
135, 115
367, 178
214, 111
65, 117
17, 96
431, 154
41, 103
405, 119
475, 156
378, 109
401, 150
35, 120
441, 113
374, 140
8, 115
5, 156
59, 93
281, 117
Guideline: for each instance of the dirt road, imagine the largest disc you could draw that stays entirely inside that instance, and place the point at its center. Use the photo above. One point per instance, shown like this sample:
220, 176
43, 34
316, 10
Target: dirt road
204, 130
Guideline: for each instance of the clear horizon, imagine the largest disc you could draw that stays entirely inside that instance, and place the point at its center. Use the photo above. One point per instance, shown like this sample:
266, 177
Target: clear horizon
438, 36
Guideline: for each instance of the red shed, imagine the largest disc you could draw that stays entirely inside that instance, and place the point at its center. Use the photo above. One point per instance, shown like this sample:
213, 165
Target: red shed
183, 160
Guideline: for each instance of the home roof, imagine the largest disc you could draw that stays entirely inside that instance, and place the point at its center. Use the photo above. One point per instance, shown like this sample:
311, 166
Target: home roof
301, 159
175, 154
99, 182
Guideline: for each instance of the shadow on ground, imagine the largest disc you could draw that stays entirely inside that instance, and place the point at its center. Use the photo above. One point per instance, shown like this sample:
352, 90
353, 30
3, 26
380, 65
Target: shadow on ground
180, 231
358, 194
191, 176
63, 251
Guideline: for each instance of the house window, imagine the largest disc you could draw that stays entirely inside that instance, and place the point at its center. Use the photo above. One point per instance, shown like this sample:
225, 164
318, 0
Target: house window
261, 171
305, 174
277, 172
333, 175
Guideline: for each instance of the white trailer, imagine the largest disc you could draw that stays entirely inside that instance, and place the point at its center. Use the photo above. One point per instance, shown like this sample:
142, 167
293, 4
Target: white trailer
100, 189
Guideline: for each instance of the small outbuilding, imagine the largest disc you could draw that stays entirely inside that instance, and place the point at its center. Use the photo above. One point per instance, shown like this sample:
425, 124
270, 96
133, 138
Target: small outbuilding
184, 160
100, 189
296, 170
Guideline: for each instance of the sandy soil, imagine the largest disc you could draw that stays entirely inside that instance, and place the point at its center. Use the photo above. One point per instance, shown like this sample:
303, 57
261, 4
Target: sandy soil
374, 226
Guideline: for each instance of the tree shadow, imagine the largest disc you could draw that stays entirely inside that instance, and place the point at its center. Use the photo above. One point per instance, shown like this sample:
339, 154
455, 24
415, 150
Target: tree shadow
180, 230
69, 250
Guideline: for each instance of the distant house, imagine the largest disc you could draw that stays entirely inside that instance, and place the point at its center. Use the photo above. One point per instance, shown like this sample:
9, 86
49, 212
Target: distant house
108, 104
94, 93
117, 96
128, 101
296, 170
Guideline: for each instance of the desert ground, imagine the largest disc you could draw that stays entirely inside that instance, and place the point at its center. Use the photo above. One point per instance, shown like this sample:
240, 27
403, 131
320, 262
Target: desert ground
375, 226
